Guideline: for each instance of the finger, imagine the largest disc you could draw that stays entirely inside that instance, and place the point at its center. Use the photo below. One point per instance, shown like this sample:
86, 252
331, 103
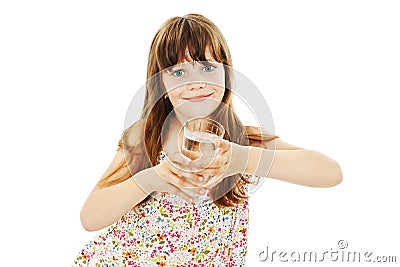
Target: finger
222, 144
187, 169
214, 162
191, 182
210, 172
212, 169
220, 158
219, 162
167, 176
181, 183
178, 192
192, 155
185, 174
181, 161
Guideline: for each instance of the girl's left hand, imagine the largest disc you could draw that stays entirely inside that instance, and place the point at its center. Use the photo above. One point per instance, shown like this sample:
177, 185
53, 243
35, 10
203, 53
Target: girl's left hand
230, 159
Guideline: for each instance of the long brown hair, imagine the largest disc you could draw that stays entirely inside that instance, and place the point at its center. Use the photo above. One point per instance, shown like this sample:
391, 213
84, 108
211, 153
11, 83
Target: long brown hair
177, 38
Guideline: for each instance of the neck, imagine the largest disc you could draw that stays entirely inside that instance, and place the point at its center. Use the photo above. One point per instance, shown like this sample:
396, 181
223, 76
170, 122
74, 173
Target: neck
179, 120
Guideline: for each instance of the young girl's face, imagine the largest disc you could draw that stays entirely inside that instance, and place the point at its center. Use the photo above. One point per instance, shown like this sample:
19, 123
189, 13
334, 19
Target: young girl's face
195, 88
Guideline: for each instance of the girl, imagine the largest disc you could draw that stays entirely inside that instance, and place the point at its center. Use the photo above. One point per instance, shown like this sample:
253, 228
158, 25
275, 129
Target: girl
140, 197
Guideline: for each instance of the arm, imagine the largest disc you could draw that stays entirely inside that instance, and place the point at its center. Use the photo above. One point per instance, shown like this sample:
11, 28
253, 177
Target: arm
294, 165
106, 205
275, 159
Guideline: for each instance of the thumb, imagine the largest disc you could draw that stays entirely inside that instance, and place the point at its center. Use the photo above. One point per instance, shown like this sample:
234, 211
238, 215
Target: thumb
222, 144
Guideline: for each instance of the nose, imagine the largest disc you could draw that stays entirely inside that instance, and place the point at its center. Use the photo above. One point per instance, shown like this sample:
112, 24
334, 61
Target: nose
196, 85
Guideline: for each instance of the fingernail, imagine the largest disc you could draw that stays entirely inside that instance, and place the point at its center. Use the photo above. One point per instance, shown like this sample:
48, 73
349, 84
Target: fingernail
201, 178
202, 191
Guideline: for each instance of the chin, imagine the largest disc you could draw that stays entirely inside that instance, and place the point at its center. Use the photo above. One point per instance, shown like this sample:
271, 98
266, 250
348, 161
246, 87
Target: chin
197, 109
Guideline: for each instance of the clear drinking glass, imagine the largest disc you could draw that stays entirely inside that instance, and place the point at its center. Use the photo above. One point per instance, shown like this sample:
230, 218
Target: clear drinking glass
198, 139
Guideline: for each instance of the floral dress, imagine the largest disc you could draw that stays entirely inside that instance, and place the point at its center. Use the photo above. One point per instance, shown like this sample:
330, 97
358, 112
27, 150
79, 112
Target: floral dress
171, 232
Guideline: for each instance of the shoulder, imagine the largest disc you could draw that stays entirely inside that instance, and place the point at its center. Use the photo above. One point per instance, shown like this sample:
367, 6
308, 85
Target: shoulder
134, 134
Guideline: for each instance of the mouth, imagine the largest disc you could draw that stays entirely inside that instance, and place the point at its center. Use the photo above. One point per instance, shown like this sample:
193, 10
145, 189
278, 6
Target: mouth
198, 98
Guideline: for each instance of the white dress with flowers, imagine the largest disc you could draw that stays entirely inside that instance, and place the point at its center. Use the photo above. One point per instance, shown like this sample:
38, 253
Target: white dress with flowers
170, 232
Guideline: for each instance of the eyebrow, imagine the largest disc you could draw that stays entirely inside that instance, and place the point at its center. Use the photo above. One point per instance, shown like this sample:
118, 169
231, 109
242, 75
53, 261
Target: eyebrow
172, 68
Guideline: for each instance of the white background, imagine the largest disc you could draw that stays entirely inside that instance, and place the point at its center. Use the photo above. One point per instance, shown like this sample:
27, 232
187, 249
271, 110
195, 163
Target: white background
329, 71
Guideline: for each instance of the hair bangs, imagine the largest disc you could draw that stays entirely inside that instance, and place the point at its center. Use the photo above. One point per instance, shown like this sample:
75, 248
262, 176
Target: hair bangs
188, 40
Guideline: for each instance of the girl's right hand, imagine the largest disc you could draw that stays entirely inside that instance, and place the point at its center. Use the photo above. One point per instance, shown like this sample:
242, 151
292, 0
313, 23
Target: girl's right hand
175, 174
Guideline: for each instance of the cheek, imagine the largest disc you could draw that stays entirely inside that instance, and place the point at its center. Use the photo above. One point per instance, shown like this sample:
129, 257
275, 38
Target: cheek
219, 86
170, 84
219, 92
174, 95
218, 96
217, 78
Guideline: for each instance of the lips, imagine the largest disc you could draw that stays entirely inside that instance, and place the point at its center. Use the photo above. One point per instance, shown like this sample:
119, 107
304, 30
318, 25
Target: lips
198, 97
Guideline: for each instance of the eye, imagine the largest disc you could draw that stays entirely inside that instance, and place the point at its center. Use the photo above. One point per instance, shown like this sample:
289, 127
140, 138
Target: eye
208, 68
178, 73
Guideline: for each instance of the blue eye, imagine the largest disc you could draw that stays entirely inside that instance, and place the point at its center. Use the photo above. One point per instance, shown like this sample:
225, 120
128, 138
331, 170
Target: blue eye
178, 73
208, 68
